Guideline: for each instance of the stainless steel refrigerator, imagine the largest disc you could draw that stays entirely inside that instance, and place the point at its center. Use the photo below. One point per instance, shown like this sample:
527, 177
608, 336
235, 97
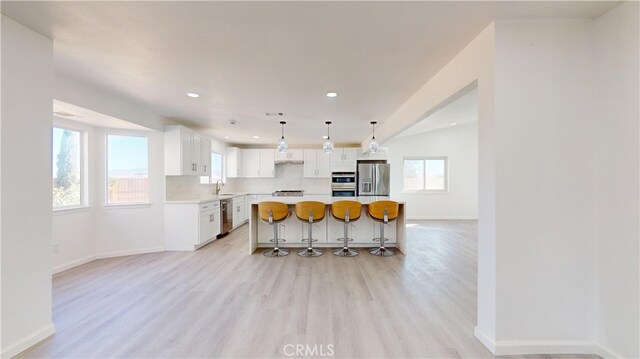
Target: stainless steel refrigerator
373, 179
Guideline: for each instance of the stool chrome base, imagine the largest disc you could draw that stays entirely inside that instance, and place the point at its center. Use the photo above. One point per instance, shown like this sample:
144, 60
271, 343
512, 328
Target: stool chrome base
309, 252
345, 252
382, 252
274, 253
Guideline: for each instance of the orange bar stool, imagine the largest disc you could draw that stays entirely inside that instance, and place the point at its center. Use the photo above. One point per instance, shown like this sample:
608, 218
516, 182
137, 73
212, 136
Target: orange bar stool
273, 213
310, 212
346, 212
382, 212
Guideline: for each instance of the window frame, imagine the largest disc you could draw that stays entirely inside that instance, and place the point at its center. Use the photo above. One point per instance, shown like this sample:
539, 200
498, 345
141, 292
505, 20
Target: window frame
424, 174
82, 147
106, 169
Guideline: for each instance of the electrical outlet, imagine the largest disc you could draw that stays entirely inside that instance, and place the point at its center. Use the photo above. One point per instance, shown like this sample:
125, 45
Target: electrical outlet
55, 248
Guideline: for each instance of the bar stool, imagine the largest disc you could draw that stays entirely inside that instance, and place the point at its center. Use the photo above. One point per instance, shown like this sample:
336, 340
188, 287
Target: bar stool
382, 212
310, 212
272, 213
346, 212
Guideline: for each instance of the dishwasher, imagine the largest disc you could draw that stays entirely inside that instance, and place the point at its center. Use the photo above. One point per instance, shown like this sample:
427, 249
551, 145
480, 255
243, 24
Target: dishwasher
226, 216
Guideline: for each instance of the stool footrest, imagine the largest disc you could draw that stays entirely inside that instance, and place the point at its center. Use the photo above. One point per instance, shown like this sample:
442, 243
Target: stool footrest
307, 240
279, 240
385, 239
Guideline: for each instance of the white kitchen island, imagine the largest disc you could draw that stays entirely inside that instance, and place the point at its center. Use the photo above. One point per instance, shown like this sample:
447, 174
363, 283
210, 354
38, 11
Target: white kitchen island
328, 230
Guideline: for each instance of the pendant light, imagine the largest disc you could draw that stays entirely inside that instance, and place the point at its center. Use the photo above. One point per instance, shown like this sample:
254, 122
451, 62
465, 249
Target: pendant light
373, 144
283, 146
327, 146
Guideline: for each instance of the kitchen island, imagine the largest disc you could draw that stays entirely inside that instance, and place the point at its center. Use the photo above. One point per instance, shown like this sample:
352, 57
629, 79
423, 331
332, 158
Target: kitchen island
328, 230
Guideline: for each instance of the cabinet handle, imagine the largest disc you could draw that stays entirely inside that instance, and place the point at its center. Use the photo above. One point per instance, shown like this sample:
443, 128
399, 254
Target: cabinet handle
205, 168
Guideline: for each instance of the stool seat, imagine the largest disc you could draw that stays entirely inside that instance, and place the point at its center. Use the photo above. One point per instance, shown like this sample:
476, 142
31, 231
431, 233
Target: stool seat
383, 212
272, 213
310, 212
346, 212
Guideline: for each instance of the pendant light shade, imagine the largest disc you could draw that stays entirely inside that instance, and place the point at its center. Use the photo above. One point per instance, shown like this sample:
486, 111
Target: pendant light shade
373, 144
327, 146
283, 146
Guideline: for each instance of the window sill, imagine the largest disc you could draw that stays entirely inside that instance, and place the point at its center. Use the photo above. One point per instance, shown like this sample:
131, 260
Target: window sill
69, 210
426, 192
127, 205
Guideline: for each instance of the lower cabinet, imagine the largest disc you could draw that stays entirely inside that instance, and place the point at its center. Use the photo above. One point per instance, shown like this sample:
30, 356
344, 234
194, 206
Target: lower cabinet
240, 213
188, 226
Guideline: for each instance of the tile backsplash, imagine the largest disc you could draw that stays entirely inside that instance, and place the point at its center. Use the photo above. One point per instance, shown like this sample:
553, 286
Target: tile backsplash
288, 176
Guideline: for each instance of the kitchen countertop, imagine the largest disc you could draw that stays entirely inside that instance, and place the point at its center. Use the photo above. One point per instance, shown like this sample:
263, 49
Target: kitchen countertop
203, 199
327, 199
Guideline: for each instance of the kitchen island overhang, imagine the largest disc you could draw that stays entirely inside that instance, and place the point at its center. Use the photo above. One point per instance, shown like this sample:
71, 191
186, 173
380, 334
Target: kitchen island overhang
328, 230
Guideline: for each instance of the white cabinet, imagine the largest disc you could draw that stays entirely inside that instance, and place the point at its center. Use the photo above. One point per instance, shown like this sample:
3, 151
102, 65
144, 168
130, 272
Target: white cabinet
344, 159
290, 155
380, 155
258, 163
185, 152
316, 164
239, 211
188, 226
250, 163
234, 162
209, 222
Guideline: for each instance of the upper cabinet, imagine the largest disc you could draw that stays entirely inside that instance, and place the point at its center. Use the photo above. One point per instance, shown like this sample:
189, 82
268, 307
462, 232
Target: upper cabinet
290, 156
316, 164
234, 162
344, 159
186, 152
250, 163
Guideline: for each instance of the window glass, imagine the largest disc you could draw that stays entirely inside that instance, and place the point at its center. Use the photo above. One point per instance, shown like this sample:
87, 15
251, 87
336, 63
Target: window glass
216, 167
66, 167
127, 169
435, 170
413, 174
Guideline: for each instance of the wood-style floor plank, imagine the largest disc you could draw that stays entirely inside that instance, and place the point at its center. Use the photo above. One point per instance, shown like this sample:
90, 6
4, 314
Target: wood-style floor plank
220, 302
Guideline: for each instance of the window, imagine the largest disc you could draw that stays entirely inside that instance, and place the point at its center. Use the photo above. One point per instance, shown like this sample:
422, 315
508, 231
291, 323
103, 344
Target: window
216, 169
127, 169
428, 174
66, 168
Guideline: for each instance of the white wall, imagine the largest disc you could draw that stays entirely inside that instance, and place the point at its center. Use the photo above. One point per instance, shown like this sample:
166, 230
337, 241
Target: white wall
460, 145
25, 224
104, 231
544, 249
615, 189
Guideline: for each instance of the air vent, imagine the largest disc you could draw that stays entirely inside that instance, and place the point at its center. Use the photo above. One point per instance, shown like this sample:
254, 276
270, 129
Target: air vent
274, 114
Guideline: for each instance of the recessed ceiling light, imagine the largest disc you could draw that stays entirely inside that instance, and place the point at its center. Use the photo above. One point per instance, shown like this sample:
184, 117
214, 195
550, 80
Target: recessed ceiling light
226, 137
325, 137
256, 137
193, 94
453, 123
332, 94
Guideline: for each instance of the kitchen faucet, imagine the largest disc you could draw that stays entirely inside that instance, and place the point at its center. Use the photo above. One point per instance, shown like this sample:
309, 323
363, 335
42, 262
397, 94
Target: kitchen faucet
219, 185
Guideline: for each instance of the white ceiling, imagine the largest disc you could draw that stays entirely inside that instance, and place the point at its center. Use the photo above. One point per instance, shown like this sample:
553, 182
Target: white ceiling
67, 111
248, 58
458, 112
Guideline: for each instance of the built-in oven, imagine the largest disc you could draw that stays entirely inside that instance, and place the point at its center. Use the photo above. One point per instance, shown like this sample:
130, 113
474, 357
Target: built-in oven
343, 184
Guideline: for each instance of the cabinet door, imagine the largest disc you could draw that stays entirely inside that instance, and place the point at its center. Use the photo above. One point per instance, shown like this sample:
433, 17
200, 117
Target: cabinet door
233, 160
250, 163
205, 156
196, 153
310, 166
205, 232
337, 155
295, 155
186, 136
350, 155
267, 163
323, 162
215, 221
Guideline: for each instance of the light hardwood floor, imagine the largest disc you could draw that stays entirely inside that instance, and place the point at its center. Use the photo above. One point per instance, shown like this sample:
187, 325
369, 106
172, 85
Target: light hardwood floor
220, 302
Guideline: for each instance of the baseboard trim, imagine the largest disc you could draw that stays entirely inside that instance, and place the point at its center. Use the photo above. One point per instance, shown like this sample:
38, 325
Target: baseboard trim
443, 218
73, 264
606, 352
29, 341
485, 340
129, 252
544, 347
